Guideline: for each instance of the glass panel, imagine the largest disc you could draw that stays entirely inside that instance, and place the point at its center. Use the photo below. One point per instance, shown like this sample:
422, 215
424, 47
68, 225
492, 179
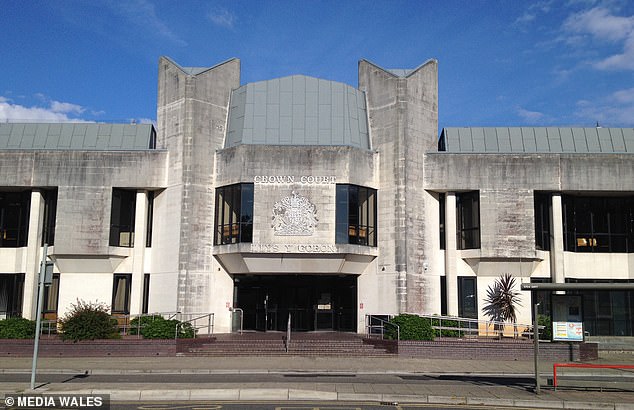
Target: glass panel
341, 217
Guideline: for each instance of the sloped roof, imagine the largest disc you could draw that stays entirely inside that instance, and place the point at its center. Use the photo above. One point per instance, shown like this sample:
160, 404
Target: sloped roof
76, 136
537, 139
298, 110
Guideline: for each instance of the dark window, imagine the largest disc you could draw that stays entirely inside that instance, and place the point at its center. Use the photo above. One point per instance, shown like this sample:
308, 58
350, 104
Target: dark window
152, 144
443, 295
122, 218
606, 313
234, 214
598, 224
50, 213
467, 297
150, 219
11, 293
355, 216
468, 220
51, 295
543, 203
121, 293
14, 218
441, 205
542, 297
146, 293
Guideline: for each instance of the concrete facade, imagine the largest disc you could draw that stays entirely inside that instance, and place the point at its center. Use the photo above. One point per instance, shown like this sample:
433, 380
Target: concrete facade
391, 147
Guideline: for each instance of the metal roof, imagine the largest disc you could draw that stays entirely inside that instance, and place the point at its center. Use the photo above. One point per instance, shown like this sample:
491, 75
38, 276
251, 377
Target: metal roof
298, 110
537, 139
76, 136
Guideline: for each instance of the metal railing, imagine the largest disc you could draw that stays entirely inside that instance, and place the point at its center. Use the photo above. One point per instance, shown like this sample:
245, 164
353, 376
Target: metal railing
194, 322
453, 326
375, 325
460, 326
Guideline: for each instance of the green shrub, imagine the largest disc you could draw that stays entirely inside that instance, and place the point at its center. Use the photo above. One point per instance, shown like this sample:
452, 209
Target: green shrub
17, 328
412, 327
446, 323
161, 328
145, 321
547, 332
89, 321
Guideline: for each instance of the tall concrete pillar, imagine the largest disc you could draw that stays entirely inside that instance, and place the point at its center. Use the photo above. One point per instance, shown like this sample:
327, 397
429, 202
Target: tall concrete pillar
192, 114
138, 252
451, 253
557, 273
33, 255
403, 113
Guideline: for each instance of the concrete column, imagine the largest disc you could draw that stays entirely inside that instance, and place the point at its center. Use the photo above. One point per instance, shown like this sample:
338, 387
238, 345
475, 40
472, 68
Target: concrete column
557, 274
451, 253
138, 252
33, 255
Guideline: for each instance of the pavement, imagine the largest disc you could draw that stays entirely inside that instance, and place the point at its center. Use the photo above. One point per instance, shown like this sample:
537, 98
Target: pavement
476, 388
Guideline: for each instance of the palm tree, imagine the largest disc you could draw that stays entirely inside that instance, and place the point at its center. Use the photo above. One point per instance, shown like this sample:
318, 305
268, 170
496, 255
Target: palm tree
502, 301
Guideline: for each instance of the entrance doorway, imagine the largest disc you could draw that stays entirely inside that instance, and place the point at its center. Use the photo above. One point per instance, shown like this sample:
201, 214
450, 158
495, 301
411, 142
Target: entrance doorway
314, 302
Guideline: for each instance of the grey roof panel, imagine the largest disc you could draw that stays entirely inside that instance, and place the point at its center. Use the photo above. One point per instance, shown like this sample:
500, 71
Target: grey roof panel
75, 136
538, 140
298, 110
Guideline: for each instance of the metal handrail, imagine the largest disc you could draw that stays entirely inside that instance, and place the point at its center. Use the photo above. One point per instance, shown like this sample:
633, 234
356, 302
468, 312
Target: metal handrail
369, 326
210, 327
288, 333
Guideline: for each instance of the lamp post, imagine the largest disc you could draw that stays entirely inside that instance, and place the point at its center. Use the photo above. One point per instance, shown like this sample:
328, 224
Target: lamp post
42, 280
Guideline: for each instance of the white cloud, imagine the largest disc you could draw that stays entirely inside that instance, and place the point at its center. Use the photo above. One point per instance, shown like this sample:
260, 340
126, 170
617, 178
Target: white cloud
222, 18
55, 112
66, 108
533, 11
614, 110
142, 13
600, 25
531, 117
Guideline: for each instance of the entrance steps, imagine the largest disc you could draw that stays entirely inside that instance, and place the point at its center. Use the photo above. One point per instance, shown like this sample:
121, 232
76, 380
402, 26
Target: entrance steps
274, 344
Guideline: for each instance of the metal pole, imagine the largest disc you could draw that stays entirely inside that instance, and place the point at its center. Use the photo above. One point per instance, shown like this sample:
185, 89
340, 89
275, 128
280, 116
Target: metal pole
38, 320
536, 350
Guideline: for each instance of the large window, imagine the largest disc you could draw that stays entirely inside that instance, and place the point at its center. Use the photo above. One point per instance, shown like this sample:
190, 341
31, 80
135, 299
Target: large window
234, 214
542, 221
51, 296
442, 197
50, 212
122, 218
468, 220
150, 219
121, 293
467, 297
356, 215
14, 218
598, 224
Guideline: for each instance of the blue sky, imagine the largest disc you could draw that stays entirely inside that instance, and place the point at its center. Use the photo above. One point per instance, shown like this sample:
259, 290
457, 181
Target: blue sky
501, 63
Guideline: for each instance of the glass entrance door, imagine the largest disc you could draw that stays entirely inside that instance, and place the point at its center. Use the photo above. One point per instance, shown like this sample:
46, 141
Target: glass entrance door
314, 302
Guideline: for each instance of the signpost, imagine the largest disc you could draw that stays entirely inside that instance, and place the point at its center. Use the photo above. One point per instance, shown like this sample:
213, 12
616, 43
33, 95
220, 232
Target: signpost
45, 277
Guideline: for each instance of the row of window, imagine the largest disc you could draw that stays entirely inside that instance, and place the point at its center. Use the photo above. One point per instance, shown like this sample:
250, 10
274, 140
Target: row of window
355, 220
14, 218
590, 224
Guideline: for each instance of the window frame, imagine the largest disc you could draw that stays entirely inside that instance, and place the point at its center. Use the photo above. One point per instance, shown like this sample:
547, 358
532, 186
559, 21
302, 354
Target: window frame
233, 214
356, 217
127, 280
468, 204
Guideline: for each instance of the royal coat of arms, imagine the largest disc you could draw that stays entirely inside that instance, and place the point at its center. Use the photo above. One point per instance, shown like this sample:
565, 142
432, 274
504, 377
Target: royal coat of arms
294, 215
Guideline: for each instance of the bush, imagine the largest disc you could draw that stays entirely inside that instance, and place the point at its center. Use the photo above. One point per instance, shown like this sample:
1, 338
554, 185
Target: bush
446, 323
89, 321
145, 321
412, 327
17, 328
160, 328
547, 332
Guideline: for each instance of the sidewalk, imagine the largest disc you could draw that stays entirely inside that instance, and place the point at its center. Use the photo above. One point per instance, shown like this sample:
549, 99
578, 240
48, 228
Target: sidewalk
310, 388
